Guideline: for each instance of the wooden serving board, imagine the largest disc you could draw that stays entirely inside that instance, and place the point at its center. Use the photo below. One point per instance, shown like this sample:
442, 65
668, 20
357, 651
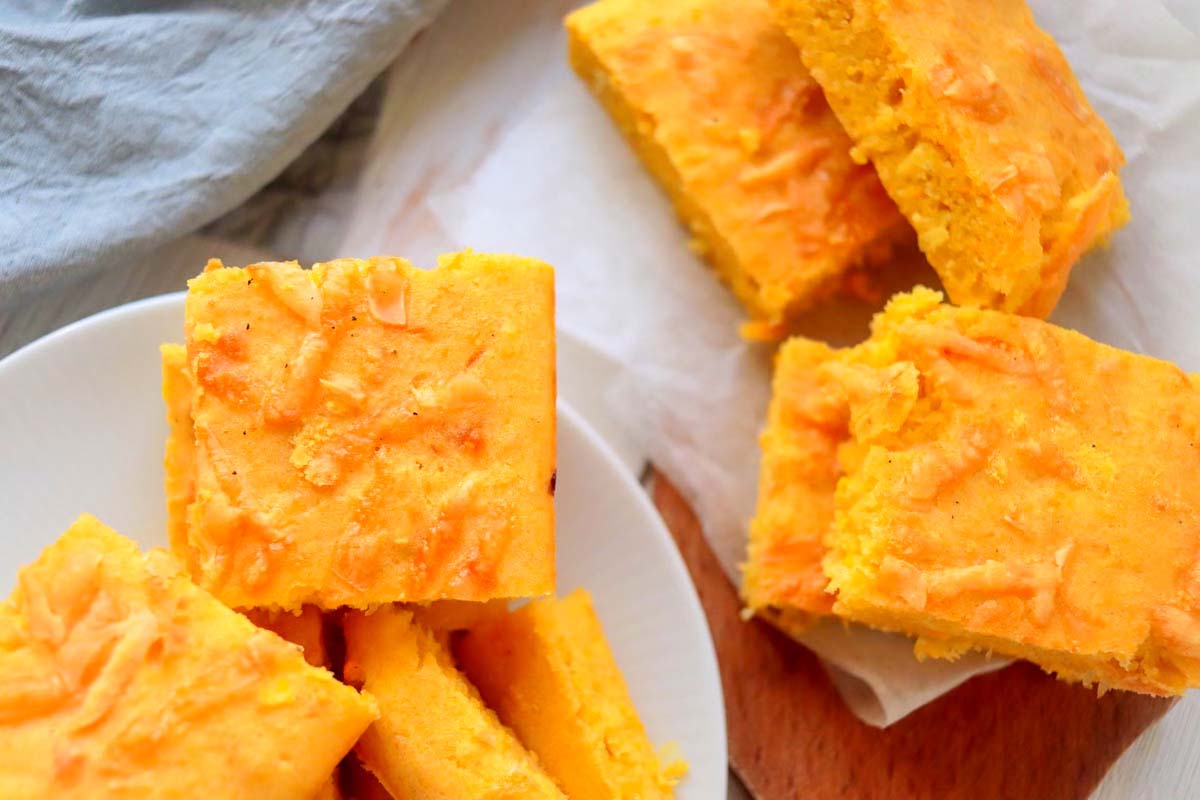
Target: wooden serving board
1014, 733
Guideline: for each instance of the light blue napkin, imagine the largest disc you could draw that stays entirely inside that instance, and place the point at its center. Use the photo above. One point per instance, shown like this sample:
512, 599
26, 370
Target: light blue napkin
124, 125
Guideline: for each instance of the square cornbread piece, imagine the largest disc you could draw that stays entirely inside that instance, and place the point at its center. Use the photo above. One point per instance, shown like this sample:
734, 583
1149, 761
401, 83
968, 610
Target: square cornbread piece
435, 738
1009, 485
120, 678
980, 132
806, 424
715, 100
367, 432
548, 672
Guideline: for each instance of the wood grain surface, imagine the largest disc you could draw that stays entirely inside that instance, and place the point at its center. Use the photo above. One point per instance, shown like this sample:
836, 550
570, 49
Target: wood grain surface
1015, 733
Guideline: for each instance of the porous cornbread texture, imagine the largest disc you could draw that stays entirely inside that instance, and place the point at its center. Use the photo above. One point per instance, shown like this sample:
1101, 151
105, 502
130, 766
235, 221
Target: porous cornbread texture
435, 738
120, 678
365, 432
715, 100
782, 577
548, 672
980, 132
1013, 486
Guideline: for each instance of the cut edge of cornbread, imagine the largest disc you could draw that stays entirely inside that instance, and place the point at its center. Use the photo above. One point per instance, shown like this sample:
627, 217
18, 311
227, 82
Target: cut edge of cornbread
548, 672
179, 458
951, 643
631, 123
770, 319
782, 579
904, 151
386, 749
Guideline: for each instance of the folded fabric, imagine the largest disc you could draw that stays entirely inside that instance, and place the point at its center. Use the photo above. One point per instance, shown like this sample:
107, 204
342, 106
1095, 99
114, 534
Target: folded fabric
124, 125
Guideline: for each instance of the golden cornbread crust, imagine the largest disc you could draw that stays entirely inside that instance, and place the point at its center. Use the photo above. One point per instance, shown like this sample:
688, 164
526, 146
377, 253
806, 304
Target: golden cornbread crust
714, 99
434, 739
119, 678
1009, 485
549, 674
365, 432
980, 132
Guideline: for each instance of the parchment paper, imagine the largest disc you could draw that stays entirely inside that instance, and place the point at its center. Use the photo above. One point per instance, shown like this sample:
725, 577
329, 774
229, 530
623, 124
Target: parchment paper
524, 160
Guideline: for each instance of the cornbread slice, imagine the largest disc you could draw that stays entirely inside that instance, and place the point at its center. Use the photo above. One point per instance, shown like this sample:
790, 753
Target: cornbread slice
980, 133
366, 432
548, 672
806, 423
715, 100
120, 678
1013, 486
434, 738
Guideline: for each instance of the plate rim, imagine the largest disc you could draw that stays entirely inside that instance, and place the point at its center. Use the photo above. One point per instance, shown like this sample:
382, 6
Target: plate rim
99, 317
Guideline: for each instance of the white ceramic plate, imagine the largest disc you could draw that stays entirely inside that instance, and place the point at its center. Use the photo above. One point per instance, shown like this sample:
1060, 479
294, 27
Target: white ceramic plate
82, 429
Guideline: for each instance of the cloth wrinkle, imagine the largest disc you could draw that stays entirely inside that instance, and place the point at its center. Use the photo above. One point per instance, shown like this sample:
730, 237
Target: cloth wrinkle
126, 125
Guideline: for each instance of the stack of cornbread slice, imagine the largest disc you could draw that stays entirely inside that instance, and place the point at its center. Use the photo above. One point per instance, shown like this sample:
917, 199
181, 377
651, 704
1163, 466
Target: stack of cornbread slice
361, 461
968, 475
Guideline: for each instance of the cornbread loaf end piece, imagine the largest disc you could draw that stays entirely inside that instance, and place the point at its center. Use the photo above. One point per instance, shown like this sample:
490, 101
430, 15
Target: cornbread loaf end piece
1012, 486
715, 100
434, 738
980, 132
547, 670
366, 432
120, 678
806, 423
